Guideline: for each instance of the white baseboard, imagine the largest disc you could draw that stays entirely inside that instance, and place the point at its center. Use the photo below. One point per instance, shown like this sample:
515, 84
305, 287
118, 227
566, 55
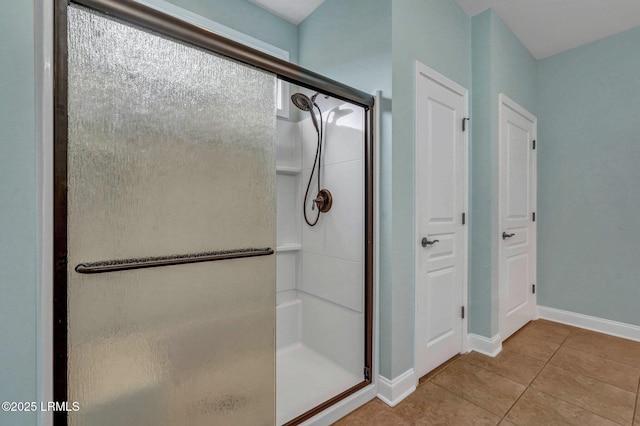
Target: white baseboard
601, 325
391, 392
484, 345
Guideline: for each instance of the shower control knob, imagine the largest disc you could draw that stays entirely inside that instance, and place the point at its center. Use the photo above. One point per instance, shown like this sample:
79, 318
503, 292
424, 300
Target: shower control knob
425, 242
323, 201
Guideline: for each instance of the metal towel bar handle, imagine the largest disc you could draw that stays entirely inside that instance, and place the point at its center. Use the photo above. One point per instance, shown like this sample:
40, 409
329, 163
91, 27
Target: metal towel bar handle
153, 262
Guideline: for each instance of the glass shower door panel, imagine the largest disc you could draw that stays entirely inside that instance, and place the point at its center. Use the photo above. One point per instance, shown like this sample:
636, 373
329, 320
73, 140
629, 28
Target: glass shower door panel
170, 152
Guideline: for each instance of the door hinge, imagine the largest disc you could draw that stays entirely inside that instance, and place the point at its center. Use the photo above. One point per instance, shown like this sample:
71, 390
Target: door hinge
533, 288
533, 216
464, 218
462, 312
534, 144
367, 373
464, 123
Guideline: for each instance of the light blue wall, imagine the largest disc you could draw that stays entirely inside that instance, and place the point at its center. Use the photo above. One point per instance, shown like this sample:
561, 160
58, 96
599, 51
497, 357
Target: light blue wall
481, 205
349, 41
246, 17
438, 34
501, 64
18, 211
589, 179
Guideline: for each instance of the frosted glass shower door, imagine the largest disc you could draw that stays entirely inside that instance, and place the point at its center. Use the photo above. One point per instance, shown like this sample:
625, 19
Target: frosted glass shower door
170, 156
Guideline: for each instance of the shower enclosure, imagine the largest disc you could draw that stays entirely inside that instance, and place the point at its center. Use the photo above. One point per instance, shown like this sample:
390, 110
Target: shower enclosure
321, 258
188, 289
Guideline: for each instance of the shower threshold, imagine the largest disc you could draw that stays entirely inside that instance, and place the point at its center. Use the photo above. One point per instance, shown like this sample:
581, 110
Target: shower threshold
306, 379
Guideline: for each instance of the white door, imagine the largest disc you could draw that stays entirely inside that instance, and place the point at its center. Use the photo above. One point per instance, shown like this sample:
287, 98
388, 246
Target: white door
441, 163
517, 239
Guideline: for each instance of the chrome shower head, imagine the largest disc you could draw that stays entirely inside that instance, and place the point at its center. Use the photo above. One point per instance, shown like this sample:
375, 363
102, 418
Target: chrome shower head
304, 103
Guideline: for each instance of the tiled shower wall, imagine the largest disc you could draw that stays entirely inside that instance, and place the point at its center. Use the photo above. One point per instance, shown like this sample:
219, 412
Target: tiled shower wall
326, 273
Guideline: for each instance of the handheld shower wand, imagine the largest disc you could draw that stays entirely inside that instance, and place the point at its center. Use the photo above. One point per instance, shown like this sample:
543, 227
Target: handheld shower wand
323, 200
304, 103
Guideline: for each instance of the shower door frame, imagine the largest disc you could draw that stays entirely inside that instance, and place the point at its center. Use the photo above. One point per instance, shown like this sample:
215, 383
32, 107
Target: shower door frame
165, 25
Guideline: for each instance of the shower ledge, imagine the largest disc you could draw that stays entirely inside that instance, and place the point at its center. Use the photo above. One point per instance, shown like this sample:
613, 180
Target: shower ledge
288, 247
288, 170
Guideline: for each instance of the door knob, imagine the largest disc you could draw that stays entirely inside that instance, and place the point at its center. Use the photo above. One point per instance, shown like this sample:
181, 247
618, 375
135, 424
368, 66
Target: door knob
425, 242
505, 235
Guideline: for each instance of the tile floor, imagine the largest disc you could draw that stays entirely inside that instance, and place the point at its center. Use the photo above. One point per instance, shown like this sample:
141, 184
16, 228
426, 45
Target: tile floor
546, 374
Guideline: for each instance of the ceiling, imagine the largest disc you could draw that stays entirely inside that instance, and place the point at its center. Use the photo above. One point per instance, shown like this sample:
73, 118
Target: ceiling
294, 11
545, 27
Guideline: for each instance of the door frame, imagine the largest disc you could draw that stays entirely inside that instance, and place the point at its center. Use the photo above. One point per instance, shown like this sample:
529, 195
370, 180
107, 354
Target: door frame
505, 102
438, 78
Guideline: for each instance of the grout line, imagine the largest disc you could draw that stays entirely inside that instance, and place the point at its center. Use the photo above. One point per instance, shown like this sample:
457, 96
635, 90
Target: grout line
599, 356
573, 404
533, 326
469, 401
604, 357
635, 409
521, 355
306, 169
328, 255
526, 386
536, 376
569, 402
439, 369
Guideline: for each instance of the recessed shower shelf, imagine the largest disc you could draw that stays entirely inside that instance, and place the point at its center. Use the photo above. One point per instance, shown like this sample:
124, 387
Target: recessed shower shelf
288, 170
288, 247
